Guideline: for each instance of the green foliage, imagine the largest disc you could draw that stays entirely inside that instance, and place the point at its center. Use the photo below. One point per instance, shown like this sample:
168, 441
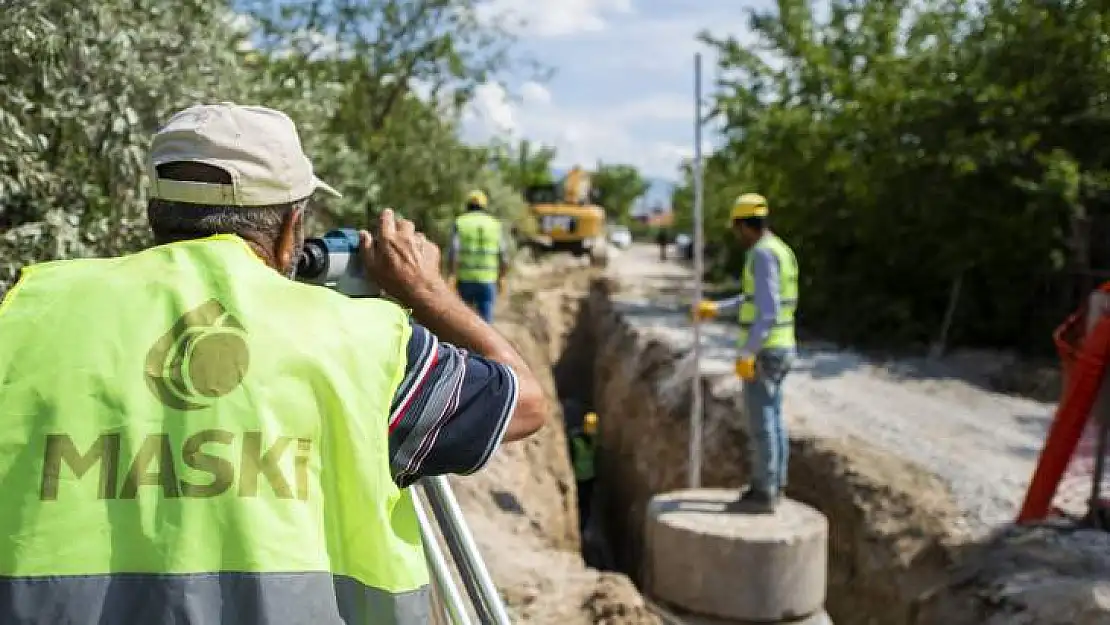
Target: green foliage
618, 188
524, 164
904, 145
375, 87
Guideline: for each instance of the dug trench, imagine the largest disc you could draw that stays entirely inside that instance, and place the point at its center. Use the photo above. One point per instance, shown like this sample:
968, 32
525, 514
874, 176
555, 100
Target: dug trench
896, 553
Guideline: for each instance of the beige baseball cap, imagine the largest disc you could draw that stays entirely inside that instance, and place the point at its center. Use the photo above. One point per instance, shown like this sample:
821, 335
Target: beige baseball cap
259, 147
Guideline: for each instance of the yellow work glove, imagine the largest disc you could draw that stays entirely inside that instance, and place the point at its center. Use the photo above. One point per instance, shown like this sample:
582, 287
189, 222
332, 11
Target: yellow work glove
502, 282
745, 368
704, 310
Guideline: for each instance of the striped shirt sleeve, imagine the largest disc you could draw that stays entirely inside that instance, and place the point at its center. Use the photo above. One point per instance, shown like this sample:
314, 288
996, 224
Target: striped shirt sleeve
450, 412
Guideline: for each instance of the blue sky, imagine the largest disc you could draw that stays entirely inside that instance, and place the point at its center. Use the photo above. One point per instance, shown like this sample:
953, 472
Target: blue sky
622, 89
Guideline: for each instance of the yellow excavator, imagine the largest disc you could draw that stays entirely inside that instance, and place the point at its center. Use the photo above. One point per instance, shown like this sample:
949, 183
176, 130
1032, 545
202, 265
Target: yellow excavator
567, 216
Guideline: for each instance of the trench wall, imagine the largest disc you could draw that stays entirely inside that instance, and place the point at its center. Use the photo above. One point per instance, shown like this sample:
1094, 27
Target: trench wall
890, 541
895, 558
522, 508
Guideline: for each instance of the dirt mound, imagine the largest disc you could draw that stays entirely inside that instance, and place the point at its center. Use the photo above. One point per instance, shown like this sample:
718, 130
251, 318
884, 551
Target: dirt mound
1026, 576
522, 507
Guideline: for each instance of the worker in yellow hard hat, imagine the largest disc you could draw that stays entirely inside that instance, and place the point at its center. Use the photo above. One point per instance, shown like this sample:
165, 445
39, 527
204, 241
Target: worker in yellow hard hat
582, 457
478, 255
766, 345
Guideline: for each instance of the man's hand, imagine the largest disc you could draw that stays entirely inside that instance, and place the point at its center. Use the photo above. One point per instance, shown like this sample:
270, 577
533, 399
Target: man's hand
745, 367
704, 310
402, 261
406, 265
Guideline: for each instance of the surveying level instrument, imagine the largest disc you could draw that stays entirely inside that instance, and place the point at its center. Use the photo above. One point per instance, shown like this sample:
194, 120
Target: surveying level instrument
333, 261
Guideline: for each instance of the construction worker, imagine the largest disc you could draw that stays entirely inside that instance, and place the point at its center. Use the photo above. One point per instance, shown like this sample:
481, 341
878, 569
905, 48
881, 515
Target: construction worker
188, 436
765, 346
479, 256
582, 456
662, 239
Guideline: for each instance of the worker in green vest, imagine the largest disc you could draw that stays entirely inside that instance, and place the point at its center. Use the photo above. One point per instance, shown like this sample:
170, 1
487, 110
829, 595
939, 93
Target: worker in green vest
765, 346
479, 255
188, 436
582, 457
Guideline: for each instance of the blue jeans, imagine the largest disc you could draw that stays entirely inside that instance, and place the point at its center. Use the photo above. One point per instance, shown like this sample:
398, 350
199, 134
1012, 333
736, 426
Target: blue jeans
768, 444
479, 296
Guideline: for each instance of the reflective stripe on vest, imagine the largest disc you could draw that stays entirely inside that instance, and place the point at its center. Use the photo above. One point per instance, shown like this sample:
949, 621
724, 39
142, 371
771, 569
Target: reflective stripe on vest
188, 436
233, 598
781, 333
479, 247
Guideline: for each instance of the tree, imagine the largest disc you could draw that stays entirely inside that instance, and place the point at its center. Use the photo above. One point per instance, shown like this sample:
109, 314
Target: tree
375, 87
906, 147
618, 187
524, 164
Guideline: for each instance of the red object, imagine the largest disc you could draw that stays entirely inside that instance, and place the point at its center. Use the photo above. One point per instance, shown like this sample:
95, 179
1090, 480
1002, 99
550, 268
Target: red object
1084, 359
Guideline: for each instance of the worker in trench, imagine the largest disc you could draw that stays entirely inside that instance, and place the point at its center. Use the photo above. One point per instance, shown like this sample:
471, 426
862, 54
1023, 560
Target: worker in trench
583, 447
766, 346
189, 436
479, 256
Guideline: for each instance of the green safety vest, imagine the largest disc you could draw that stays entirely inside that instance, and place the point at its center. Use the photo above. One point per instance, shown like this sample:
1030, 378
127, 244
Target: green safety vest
187, 435
479, 247
782, 332
583, 458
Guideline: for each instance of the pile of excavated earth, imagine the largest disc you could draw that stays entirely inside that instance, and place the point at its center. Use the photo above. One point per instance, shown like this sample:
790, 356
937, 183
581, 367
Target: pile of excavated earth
918, 466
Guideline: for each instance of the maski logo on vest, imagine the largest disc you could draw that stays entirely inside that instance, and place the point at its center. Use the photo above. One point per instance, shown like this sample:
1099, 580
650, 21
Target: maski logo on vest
201, 358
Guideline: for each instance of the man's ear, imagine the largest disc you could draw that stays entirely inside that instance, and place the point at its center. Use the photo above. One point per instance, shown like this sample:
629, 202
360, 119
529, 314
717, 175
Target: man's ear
289, 240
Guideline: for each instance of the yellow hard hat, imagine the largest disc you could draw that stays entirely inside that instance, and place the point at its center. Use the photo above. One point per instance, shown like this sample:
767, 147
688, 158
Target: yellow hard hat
749, 205
590, 422
478, 198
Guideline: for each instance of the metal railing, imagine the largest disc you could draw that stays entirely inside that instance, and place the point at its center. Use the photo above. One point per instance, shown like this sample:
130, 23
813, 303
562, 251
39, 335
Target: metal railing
435, 493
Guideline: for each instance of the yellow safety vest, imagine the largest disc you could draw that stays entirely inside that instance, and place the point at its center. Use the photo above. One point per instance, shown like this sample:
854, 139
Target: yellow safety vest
188, 436
782, 332
583, 458
479, 247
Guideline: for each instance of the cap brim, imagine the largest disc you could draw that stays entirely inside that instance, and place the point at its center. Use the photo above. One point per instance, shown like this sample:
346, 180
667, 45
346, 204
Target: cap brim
320, 185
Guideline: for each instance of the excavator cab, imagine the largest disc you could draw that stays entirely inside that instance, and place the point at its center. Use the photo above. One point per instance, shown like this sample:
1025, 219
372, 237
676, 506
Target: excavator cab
542, 194
566, 213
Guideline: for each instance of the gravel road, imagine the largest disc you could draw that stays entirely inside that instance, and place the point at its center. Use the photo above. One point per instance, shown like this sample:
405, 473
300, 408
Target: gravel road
983, 444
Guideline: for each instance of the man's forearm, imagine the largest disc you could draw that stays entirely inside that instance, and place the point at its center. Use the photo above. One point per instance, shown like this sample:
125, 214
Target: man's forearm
452, 321
447, 317
729, 305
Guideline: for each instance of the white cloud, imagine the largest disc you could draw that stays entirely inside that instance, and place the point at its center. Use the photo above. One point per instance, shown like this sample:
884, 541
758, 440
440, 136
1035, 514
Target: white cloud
580, 137
657, 107
491, 113
623, 89
554, 18
535, 93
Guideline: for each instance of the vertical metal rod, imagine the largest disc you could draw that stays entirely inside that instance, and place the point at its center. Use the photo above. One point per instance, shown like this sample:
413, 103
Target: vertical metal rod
483, 593
447, 590
694, 473
1100, 416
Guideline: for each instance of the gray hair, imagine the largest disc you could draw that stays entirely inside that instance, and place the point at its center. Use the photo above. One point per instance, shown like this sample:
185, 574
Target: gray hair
177, 221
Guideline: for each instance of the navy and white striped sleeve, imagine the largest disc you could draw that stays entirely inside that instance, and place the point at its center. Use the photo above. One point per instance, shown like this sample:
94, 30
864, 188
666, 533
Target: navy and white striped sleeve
450, 411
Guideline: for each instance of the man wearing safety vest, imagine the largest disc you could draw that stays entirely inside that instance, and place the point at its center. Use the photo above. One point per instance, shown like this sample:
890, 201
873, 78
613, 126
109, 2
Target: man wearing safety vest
582, 456
765, 346
188, 436
479, 256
